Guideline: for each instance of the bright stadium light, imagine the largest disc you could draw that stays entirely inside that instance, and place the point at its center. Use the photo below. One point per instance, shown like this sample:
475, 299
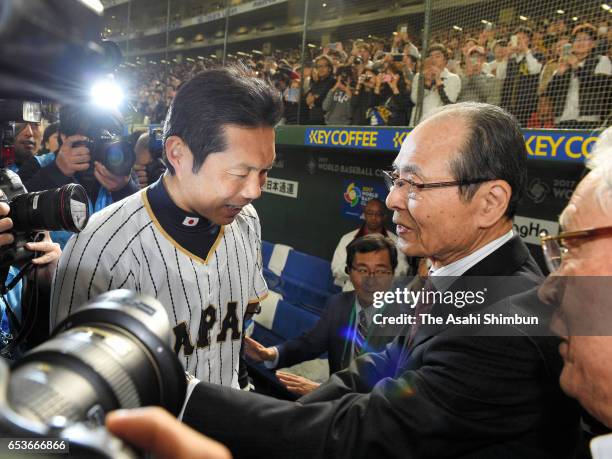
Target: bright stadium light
523, 18
606, 7
457, 28
95, 5
560, 12
575, 18
106, 94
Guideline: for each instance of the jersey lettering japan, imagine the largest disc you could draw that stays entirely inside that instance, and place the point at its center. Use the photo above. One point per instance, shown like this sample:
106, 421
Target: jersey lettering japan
124, 246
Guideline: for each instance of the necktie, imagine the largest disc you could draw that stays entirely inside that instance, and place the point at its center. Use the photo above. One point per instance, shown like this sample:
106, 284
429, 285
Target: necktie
361, 333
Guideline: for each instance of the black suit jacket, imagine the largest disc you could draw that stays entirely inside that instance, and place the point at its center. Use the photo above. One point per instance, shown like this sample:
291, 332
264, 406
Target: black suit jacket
330, 335
453, 396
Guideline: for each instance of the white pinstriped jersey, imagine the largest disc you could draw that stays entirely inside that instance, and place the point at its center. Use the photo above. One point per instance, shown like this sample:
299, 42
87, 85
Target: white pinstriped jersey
124, 246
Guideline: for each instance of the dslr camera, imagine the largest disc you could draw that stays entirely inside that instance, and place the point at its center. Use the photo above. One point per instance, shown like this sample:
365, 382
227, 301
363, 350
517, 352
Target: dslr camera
104, 131
65, 208
345, 73
113, 353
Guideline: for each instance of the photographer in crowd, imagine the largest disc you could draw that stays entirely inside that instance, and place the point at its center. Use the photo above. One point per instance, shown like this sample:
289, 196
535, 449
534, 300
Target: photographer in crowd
580, 87
520, 89
47, 253
476, 84
337, 103
363, 97
50, 142
323, 81
26, 139
148, 166
393, 91
441, 87
79, 130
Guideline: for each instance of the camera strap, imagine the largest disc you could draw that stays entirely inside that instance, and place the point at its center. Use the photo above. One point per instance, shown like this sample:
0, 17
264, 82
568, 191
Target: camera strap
4, 289
24, 328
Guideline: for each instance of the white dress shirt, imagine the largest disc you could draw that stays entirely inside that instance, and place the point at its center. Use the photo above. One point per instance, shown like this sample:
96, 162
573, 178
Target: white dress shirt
571, 109
459, 267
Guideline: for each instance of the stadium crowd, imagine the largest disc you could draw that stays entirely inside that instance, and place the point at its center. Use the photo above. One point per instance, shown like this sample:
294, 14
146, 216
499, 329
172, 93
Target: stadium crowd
550, 75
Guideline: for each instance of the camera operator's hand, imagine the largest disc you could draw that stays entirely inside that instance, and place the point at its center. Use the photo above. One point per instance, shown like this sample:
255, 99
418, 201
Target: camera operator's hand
72, 159
392, 83
109, 181
5, 225
156, 431
310, 100
360, 80
378, 82
567, 63
47, 261
338, 83
141, 174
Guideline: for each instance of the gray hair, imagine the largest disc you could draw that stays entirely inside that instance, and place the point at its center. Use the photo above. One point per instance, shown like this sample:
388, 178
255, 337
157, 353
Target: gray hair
600, 164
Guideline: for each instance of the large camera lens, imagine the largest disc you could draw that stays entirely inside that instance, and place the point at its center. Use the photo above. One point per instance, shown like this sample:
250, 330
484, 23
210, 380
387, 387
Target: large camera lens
113, 353
118, 158
65, 208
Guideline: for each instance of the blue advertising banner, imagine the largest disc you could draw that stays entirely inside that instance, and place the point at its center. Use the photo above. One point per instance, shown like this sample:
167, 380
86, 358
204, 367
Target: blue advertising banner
555, 145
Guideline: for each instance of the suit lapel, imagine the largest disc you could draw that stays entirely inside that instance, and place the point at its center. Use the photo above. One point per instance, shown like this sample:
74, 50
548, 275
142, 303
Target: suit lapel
505, 261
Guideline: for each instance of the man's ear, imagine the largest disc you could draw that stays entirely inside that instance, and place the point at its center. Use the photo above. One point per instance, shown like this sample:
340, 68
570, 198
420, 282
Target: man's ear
175, 151
494, 197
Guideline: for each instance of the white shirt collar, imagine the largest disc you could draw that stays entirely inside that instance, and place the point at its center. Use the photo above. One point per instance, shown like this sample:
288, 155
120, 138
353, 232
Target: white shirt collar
601, 447
459, 267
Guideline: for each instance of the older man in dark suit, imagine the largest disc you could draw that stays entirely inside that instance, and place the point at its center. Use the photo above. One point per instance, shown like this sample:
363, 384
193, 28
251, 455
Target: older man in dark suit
430, 394
345, 329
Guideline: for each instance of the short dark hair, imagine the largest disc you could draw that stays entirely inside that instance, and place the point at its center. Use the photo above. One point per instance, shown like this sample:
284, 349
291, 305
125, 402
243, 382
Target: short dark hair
327, 59
494, 149
587, 28
438, 47
216, 98
49, 131
524, 29
370, 243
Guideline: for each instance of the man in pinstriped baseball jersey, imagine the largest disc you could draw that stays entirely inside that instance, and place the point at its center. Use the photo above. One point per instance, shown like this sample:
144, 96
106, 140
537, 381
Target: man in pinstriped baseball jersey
192, 239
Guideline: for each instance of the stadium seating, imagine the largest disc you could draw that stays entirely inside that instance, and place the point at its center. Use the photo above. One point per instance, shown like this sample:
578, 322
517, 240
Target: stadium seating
307, 280
299, 286
302, 279
280, 321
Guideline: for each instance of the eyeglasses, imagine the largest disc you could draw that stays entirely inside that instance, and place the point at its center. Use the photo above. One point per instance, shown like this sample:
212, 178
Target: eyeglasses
554, 246
363, 272
392, 179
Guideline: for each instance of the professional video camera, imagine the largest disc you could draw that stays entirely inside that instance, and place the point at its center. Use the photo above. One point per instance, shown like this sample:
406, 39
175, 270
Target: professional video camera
113, 353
